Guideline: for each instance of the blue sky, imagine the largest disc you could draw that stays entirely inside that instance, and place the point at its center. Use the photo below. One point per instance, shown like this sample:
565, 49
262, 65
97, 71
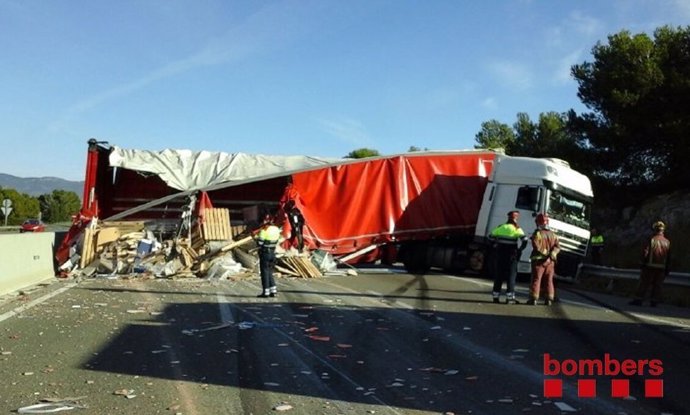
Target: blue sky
318, 78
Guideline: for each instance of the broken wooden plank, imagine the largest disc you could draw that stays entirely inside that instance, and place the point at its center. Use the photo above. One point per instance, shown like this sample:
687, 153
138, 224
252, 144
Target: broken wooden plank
235, 244
106, 236
197, 237
286, 271
133, 237
88, 251
185, 258
357, 253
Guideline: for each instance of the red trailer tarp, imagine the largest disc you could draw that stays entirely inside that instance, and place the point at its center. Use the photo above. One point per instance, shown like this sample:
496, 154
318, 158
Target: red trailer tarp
351, 206
347, 205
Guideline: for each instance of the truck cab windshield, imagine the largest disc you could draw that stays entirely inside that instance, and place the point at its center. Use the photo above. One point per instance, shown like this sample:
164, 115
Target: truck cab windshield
569, 209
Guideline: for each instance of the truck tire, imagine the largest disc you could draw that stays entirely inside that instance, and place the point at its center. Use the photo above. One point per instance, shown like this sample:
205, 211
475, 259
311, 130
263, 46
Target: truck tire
414, 258
416, 266
478, 262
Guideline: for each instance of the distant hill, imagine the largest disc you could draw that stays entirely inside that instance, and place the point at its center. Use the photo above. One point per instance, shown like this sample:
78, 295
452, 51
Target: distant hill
36, 186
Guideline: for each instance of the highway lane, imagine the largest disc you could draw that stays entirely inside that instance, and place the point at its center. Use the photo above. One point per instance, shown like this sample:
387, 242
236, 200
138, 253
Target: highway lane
381, 342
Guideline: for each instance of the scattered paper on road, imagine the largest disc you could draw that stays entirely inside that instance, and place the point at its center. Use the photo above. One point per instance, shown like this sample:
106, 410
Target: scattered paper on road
283, 407
564, 407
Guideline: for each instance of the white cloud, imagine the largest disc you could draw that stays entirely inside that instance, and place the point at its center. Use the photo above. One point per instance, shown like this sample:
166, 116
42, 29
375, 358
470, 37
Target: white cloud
567, 41
554, 36
489, 103
682, 8
268, 28
584, 25
512, 74
347, 130
562, 73
577, 27
647, 15
441, 98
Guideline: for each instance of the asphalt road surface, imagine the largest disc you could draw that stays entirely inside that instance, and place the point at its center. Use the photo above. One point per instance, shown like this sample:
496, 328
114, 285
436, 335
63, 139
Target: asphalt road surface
382, 342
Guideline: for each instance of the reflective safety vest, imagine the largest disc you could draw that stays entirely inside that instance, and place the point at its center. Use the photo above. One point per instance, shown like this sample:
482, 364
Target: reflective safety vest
657, 254
597, 240
507, 233
545, 245
268, 236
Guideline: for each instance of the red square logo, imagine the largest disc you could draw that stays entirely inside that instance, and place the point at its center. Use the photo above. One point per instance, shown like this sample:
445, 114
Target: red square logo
586, 388
653, 388
553, 388
620, 388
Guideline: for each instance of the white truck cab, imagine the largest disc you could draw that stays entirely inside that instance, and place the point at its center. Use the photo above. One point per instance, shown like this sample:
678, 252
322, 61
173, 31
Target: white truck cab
531, 186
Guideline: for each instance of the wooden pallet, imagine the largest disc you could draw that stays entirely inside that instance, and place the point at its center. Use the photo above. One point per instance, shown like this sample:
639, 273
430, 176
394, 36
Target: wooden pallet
300, 266
216, 225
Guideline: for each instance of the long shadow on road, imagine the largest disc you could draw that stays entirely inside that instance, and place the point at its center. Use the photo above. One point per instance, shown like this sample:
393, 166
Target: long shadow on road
417, 359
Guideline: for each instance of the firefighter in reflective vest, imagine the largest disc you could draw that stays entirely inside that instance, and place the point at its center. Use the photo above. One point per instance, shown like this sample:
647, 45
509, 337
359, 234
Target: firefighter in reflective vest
545, 249
596, 245
267, 240
656, 265
508, 242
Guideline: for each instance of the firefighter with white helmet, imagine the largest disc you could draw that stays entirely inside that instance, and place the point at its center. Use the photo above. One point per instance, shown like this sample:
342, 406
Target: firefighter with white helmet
545, 249
267, 239
508, 240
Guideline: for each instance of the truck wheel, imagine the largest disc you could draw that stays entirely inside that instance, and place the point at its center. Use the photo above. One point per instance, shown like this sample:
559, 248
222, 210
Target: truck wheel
416, 268
414, 259
478, 262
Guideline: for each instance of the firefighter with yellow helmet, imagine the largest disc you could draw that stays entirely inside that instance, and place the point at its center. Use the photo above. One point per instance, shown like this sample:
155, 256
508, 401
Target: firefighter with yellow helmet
655, 265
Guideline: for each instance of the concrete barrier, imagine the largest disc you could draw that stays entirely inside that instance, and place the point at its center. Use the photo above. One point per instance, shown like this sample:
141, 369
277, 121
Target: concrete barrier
26, 259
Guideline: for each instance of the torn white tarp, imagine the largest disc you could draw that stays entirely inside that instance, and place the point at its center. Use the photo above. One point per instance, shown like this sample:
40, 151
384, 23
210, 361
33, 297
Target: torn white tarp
190, 170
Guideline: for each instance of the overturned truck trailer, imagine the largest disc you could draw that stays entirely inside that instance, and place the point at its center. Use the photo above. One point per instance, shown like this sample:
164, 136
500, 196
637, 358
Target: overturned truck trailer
425, 209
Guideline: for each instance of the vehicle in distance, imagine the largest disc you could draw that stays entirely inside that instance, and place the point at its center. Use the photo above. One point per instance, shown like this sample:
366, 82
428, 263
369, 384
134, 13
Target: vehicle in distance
32, 225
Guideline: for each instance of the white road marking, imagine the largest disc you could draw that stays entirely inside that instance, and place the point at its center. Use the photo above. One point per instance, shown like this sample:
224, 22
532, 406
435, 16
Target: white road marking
396, 302
661, 320
225, 311
35, 302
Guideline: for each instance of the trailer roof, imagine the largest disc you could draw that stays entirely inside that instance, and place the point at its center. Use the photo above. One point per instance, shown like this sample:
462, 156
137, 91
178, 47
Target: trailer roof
191, 171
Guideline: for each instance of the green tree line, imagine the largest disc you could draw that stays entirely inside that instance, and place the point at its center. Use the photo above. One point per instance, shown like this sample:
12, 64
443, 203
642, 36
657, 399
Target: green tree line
58, 206
634, 138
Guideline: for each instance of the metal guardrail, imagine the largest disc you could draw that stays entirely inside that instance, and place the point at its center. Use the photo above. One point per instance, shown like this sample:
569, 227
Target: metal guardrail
674, 278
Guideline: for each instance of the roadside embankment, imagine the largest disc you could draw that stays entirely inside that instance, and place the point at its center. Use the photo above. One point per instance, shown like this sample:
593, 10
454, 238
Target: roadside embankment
623, 282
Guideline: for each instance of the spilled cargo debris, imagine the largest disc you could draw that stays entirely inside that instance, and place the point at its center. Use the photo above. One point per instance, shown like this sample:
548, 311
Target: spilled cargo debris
202, 243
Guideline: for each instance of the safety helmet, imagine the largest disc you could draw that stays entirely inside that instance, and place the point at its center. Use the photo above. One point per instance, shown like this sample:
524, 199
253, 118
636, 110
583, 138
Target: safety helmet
513, 214
658, 226
541, 219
